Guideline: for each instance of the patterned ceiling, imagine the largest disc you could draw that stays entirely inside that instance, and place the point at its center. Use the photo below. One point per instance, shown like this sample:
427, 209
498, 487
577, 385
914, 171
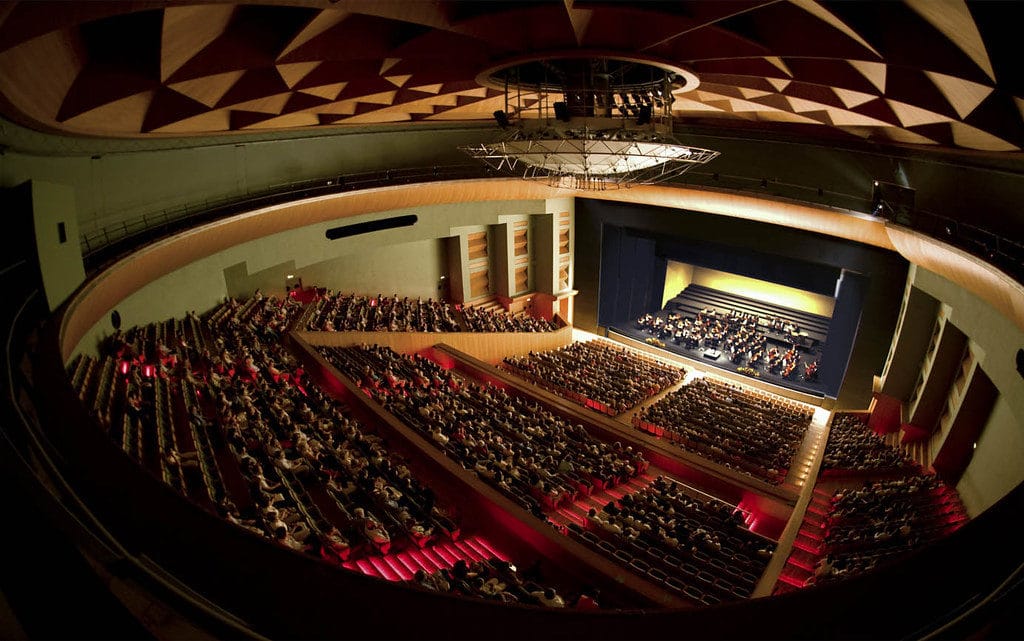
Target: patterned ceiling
928, 72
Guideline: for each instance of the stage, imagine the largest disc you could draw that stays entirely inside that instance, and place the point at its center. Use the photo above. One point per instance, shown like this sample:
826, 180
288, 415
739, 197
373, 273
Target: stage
696, 301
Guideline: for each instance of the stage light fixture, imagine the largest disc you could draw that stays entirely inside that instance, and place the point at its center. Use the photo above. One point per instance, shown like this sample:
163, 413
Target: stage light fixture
592, 141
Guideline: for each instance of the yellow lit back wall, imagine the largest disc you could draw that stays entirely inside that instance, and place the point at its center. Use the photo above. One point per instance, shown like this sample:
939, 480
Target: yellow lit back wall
679, 275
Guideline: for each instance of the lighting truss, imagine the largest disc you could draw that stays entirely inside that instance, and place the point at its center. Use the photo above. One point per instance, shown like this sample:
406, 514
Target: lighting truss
592, 159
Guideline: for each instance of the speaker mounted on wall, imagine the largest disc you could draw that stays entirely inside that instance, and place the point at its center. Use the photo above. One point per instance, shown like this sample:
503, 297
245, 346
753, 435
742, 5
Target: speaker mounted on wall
344, 231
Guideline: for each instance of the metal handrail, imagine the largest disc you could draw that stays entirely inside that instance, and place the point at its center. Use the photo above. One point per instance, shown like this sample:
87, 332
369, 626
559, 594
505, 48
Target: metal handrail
96, 241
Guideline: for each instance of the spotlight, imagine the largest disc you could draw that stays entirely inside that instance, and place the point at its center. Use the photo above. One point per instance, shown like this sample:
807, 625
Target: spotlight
501, 118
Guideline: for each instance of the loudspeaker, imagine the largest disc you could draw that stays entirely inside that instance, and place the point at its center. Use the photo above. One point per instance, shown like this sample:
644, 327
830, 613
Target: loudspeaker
645, 115
501, 118
562, 111
1020, 362
345, 231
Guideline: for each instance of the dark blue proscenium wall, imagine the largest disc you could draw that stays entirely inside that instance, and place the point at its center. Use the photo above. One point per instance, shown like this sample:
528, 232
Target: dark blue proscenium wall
774, 268
617, 242
846, 317
628, 275
633, 267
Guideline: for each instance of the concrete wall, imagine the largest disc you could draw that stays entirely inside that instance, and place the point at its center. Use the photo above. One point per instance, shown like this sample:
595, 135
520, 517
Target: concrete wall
408, 261
119, 184
60, 261
996, 466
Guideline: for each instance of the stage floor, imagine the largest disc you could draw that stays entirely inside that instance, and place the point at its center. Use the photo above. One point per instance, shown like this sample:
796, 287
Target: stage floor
795, 382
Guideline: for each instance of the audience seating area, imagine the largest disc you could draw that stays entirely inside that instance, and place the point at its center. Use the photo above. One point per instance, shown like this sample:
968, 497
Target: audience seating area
740, 428
693, 545
219, 410
852, 530
332, 312
598, 374
528, 453
853, 448
499, 580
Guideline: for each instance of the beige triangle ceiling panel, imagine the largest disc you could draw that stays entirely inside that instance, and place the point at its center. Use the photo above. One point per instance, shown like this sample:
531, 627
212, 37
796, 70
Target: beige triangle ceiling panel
903, 72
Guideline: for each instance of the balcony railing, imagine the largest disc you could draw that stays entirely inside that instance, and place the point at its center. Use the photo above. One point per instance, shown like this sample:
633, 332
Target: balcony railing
104, 243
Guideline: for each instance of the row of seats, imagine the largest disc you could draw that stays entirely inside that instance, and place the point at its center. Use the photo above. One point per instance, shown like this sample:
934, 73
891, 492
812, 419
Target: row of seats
852, 447
494, 580
698, 548
597, 374
217, 408
884, 520
530, 454
741, 429
350, 312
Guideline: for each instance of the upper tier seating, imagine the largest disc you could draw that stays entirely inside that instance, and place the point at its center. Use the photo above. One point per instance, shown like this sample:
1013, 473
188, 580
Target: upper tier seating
349, 312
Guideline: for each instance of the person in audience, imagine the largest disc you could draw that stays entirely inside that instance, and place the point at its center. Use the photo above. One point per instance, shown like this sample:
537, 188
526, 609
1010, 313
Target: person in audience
596, 374
549, 598
852, 446
744, 430
286, 539
588, 599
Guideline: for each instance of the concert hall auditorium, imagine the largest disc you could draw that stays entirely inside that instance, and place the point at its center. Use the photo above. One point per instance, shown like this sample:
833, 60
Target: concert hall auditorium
524, 319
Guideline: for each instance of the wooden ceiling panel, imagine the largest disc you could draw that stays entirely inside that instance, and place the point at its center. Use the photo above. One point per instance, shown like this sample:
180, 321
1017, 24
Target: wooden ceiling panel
216, 120
789, 30
254, 37
189, 29
127, 112
209, 89
36, 75
914, 72
253, 85
169, 106
356, 37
